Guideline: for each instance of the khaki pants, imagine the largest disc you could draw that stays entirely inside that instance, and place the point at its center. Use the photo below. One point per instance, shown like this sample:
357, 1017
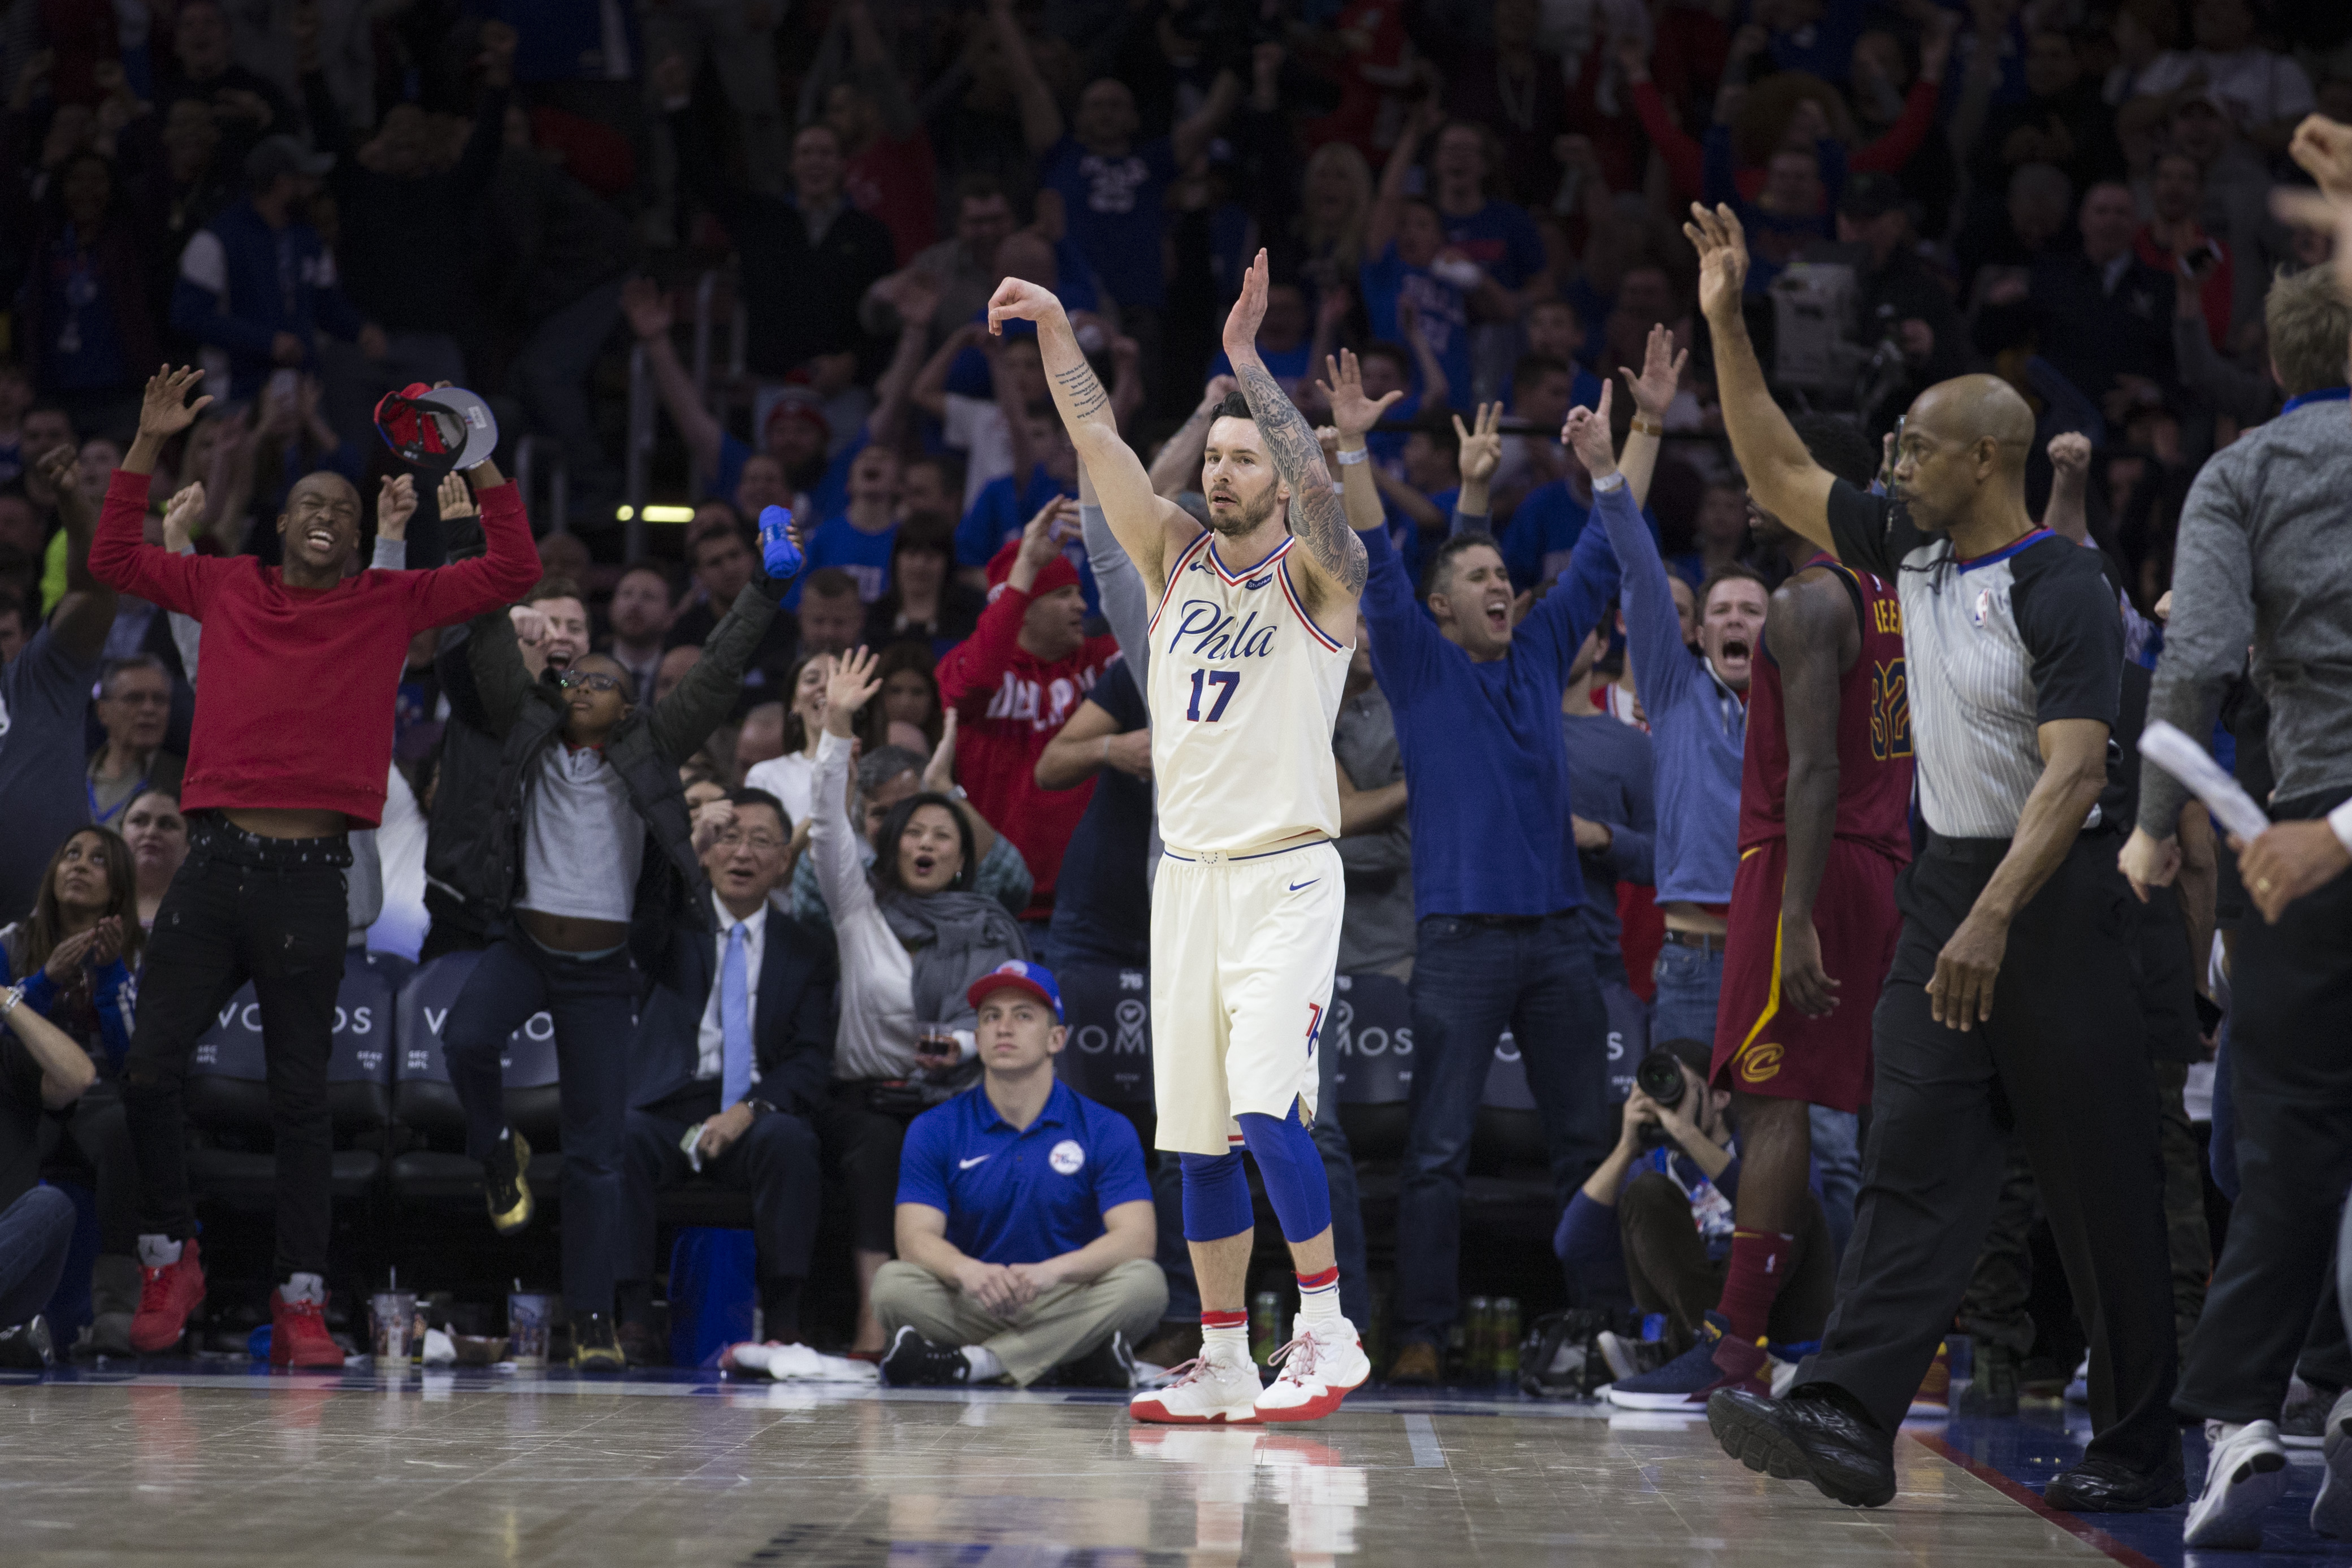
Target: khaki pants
1060, 1325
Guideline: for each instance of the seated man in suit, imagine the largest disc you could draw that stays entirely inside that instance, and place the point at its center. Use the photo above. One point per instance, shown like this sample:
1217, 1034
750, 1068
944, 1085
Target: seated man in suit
1025, 1218
736, 1044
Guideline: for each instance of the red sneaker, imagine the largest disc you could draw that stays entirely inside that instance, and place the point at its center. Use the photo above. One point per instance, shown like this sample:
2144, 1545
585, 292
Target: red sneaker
297, 1334
166, 1297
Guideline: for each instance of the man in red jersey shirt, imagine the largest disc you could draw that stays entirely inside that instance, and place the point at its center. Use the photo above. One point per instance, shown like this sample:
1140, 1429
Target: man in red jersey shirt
1824, 823
290, 749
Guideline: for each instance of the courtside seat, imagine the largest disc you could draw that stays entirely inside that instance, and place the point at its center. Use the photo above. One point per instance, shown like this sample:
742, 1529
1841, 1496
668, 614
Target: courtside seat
1107, 1057
1370, 1033
231, 1154
432, 1165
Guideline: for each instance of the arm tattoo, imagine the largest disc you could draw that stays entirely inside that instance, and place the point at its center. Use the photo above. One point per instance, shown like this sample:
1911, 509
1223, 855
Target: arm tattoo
1082, 392
1320, 518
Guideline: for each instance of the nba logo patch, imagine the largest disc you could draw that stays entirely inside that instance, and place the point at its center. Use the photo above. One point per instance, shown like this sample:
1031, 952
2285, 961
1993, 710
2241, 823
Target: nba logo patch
1983, 608
1067, 1157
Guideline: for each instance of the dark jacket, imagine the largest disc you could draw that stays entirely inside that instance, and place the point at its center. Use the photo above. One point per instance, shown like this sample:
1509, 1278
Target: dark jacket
465, 823
793, 1026
646, 750
404, 243
2092, 333
802, 297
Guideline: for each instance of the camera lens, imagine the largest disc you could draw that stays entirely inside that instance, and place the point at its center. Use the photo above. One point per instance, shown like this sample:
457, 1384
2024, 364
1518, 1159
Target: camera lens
1660, 1074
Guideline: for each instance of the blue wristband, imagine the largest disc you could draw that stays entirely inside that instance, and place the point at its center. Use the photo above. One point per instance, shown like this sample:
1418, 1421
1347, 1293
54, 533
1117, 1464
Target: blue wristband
778, 553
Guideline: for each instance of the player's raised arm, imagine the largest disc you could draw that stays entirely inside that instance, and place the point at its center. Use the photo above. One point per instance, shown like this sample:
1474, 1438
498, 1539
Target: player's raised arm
1320, 517
1142, 522
1781, 474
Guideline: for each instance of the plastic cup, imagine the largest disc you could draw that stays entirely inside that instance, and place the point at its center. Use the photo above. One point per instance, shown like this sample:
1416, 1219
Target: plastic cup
528, 1315
394, 1312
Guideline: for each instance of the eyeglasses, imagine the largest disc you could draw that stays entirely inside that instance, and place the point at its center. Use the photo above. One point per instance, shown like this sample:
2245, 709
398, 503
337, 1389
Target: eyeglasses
736, 838
594, 681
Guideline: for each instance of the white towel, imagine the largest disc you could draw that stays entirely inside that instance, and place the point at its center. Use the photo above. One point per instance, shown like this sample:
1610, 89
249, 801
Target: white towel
797, 1363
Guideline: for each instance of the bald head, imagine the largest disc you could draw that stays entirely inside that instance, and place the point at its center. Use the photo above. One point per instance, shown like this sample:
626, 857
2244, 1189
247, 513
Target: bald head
1962, 454
1971, 409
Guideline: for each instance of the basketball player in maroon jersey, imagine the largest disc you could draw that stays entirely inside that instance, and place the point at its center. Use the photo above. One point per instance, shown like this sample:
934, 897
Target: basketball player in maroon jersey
1824, 823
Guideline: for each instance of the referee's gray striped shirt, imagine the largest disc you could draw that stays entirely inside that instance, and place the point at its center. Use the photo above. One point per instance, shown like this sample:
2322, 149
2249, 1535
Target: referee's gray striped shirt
1994, 647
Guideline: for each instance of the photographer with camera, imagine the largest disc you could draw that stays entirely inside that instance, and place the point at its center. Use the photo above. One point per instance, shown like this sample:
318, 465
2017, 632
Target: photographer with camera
1669, 1186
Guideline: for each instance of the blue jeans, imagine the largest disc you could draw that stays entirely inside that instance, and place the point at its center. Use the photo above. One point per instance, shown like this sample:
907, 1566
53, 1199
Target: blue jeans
1837, 1156
1347, 1217
590, 1000
1469, 981
35, 1232
1689, 983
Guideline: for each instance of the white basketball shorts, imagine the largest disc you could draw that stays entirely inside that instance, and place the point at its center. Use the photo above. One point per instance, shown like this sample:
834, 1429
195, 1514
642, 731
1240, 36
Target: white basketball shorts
1244, 949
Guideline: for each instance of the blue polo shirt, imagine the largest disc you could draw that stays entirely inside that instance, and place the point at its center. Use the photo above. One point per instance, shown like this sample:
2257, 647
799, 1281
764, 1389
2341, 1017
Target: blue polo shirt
1026, 1196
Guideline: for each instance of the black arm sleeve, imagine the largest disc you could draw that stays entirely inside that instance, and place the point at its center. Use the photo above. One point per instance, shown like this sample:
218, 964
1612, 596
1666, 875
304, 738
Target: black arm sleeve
1872, 531
2067, 618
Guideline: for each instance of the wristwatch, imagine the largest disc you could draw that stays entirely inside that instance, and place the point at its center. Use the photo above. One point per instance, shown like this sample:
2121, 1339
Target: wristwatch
9, 998
760, 1107
1649, 427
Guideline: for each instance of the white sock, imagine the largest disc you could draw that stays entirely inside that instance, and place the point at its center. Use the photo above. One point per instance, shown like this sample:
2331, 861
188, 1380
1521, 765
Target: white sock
1319, 1308
985, 1364
304, 1287
158, 1252
1226, 1345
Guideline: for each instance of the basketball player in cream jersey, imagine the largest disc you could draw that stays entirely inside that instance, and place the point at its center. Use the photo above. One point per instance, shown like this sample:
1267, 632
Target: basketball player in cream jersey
1244, 686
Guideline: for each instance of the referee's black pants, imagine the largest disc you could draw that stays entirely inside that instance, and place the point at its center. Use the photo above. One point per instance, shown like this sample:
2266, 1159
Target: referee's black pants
2291, 1092
2063, 1061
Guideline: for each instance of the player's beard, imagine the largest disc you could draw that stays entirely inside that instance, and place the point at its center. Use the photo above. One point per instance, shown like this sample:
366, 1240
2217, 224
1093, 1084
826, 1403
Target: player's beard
1252, 514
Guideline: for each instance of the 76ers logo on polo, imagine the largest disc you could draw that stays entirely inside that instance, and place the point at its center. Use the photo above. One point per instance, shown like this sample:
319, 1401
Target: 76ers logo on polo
1067, 1158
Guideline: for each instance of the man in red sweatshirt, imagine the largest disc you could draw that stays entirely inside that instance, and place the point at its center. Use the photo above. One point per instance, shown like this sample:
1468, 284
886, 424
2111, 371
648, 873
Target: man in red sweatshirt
290, 749
1015, 682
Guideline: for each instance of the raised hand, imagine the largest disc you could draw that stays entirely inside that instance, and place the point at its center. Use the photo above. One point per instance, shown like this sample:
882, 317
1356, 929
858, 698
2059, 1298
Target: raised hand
939, 773
1351, 410
853, 685
165, 410
181, 517
672, 80
1042, 536
454, 498
1482, 447
2324, 148
1587, 434
647, 304
1249, 309
1722, 260
1017, 299
1662, 373
396, 503
2070, 454
780, 545
106, 941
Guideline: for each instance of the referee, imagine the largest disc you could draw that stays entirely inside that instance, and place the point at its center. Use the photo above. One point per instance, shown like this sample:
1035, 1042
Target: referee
1999, 1011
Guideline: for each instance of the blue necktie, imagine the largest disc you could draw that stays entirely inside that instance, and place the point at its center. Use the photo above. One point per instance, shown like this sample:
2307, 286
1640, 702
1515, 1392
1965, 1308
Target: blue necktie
734, 1023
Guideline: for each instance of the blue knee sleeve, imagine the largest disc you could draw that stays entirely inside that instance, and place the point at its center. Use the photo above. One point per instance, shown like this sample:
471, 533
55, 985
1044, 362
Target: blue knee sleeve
1217, 1197
1292, 1169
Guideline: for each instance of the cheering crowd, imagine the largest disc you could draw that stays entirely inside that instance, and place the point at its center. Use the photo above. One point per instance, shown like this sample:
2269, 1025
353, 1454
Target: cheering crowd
1808, 442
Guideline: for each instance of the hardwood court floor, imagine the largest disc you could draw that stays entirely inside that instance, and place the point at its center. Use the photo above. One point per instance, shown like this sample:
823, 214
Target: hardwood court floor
202, 1468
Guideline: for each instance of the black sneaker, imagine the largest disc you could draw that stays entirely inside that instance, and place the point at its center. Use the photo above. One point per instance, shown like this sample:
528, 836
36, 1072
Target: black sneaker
1992, 1391
2104, 1486
26, 1346
2304, 1423
1813, 1435
504, 1186
914, 1362
1110, 1364
594, 1347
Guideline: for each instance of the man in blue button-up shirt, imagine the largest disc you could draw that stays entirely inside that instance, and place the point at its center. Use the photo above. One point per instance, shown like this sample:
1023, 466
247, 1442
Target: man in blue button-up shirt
1026, 1233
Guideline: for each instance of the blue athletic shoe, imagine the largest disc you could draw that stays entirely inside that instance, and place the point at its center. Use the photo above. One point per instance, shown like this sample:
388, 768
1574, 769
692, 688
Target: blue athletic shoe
1714, 1361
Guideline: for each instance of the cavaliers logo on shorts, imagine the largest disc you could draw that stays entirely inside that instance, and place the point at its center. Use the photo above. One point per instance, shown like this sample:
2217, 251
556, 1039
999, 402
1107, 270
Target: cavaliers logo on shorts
1759, 1062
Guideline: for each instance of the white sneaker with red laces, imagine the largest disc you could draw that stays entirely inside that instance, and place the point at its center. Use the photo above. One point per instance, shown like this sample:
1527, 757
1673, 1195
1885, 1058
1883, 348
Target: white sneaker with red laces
1320, 1368
1207, 1390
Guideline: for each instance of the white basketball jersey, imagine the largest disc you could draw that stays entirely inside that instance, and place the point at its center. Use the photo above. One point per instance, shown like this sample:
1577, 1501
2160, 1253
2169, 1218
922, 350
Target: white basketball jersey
1243, 691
